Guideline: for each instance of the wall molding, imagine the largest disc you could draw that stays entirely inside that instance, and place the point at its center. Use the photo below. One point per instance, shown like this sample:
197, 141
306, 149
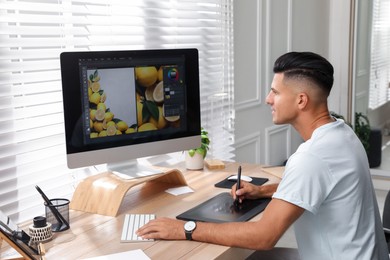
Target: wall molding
257, 99
250, 140
273, 134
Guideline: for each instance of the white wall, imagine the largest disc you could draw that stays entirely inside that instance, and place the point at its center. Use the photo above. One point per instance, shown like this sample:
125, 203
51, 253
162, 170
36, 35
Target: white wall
263, 30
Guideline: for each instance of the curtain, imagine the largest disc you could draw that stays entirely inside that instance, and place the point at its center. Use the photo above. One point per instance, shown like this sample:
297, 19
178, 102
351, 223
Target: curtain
33, 33
379, 92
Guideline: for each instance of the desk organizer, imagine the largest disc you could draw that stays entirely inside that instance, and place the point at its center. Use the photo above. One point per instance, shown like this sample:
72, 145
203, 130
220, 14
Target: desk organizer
40, 230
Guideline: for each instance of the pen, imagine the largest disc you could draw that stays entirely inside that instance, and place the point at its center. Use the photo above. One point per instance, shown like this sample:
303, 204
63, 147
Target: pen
236, 202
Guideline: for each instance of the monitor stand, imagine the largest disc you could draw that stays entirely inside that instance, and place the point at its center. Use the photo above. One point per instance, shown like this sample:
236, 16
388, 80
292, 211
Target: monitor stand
103, 193
132, 169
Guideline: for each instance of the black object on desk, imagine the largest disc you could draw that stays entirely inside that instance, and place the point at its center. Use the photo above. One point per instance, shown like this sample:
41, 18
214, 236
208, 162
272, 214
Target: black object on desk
62, 223
221, 209
225, 183
238, 186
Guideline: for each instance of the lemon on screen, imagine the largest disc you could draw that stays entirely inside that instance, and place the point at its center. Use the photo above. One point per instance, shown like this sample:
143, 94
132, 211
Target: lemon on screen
111, 130
102, 106
99, 115
147, 127
149, 93
161, 123
103, 98
110, 123
158, 92
93, 135
98, 126
95, 86
95, 98
146, 76
130, 130
96, 78
122, 126
92, 114
108, 116
103, 133
139, 112
160, 74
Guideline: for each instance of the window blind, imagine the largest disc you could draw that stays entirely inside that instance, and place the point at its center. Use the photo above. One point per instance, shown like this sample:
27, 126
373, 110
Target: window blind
33, 33
379, 92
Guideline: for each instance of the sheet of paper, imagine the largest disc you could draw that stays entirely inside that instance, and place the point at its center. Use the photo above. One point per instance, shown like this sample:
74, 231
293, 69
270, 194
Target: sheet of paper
179, 190
137, 254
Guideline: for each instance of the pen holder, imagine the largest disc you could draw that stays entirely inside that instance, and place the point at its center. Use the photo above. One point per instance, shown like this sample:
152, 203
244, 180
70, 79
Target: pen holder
62, 206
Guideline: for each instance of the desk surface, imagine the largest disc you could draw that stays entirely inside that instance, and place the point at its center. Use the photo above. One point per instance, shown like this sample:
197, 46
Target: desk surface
94, 235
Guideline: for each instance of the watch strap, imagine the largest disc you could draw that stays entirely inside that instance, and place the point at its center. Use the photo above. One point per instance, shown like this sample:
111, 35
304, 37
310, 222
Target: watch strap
188, 235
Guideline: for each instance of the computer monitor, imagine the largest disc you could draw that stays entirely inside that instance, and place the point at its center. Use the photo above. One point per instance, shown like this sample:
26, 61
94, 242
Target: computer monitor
123, 105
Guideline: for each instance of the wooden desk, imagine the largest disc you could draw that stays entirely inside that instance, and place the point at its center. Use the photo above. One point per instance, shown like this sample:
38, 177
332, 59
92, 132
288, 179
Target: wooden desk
94, 235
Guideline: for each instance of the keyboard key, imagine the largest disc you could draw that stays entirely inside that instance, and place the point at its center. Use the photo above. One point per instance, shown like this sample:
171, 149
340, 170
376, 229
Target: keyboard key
131, 224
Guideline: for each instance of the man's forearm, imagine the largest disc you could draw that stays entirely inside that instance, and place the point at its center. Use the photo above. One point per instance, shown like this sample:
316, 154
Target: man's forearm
266, 191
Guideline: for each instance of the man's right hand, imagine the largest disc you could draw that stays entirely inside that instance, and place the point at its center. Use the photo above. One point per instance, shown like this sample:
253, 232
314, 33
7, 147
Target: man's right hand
251, 191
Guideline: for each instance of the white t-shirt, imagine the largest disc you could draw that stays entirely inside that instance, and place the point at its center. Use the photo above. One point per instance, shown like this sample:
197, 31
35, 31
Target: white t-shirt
329, 177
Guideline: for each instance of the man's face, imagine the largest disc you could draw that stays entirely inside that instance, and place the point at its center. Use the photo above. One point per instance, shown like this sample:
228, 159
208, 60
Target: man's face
283, 100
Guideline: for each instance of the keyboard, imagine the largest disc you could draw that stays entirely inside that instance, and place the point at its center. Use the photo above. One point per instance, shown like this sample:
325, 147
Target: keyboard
131, 224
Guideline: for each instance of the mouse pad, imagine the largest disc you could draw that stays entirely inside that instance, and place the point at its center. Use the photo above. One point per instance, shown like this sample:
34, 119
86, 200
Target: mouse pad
225, 183
221, 209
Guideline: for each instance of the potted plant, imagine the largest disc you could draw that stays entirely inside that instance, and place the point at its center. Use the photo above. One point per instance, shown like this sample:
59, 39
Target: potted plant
363, 130
195, 157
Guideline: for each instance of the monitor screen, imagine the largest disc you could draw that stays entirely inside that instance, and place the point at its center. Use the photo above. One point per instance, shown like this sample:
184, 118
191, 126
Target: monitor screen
123, 105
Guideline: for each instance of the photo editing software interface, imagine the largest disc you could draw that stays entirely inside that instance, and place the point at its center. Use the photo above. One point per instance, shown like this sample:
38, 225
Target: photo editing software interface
127, 98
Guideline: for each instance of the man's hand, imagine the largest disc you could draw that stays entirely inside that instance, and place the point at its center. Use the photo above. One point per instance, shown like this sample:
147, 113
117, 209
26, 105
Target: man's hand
251, 191
163, 228
246, 191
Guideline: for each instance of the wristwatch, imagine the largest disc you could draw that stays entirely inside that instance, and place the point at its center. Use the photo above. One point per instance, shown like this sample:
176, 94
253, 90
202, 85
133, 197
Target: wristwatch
189, 227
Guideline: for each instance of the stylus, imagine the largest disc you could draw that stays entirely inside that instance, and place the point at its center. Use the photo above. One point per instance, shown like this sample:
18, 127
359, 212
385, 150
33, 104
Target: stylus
236, 202
61, 220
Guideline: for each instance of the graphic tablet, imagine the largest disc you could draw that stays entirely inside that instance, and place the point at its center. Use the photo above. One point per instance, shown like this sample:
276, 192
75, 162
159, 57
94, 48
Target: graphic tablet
221, 209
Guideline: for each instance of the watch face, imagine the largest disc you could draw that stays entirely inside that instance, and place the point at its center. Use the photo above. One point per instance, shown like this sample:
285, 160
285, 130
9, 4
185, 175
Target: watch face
189, 226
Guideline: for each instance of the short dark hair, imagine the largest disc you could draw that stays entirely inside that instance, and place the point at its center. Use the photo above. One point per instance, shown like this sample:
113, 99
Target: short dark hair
308, 65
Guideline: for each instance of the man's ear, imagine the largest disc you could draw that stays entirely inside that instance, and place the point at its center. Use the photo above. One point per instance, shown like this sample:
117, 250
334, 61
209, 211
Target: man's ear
303, 100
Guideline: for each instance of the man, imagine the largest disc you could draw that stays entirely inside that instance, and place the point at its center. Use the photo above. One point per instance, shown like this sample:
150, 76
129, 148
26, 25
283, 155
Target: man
326, 189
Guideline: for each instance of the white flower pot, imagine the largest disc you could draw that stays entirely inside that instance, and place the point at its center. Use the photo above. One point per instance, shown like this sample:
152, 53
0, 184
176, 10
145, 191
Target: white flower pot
195, 162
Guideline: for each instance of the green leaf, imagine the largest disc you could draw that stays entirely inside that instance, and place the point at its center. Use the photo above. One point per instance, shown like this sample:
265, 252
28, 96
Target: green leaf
191, 152
205, 141
201, 151
145, 114
152, 107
